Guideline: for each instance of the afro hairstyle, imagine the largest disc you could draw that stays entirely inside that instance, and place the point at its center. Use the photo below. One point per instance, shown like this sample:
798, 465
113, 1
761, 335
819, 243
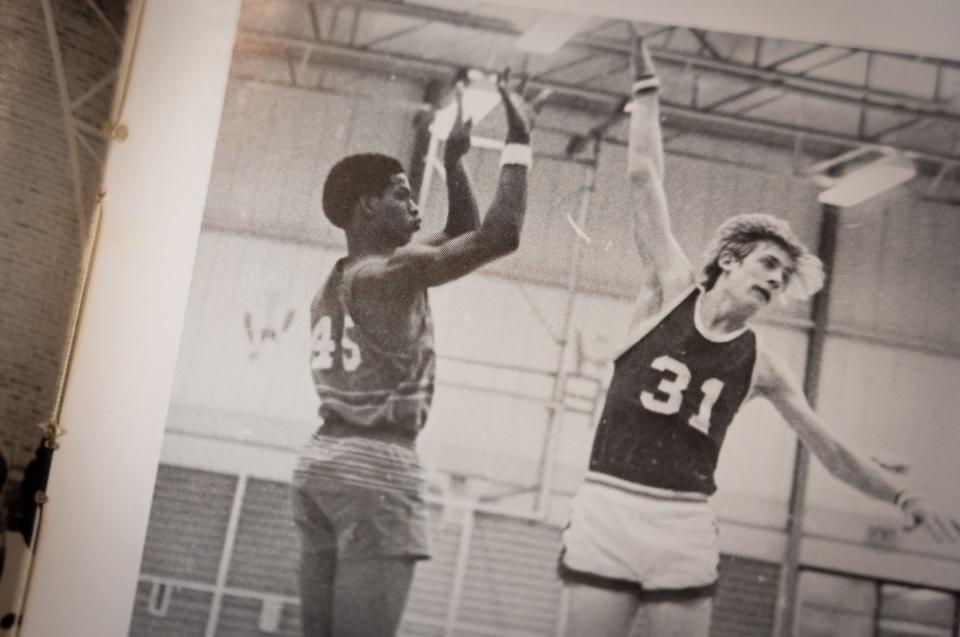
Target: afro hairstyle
352, 177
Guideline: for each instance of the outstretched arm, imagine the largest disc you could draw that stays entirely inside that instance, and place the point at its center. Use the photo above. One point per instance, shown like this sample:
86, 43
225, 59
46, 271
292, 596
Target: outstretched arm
418, 266
776, 383
666, 271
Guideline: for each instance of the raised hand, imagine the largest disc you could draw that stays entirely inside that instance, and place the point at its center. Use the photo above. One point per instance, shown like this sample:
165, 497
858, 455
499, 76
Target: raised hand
943, 526
519, 112
458, 140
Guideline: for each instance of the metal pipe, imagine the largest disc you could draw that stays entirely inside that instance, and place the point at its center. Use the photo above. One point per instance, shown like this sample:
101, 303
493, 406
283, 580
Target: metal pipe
95, 88
419, 67
818, 87
796, 82
459, 572
556, 408
820, 312
69, 129
102, 17
223, 569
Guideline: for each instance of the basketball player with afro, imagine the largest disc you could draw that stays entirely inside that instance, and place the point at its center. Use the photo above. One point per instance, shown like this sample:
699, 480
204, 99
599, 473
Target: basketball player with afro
642, 537
359, 488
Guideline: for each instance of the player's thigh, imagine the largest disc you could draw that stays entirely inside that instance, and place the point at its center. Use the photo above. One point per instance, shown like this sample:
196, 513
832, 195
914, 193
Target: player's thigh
371, 595
678, 618
593, 611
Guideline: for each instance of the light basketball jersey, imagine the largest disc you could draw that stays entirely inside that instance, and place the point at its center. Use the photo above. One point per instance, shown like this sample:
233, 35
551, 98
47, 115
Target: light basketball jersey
673, 394
360, 381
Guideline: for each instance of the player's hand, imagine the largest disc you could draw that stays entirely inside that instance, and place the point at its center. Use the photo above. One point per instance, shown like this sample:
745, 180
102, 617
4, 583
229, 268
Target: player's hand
458, 140
519, 111
944, 527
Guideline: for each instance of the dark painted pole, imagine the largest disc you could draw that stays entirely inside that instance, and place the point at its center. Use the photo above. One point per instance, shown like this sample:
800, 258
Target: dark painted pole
787, 603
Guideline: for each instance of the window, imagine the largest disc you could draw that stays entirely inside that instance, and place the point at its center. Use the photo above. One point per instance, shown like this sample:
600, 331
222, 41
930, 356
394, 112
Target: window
920, 612
836, 605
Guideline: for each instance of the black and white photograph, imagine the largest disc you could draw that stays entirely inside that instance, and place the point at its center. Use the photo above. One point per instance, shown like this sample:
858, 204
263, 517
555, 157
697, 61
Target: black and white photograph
505, 321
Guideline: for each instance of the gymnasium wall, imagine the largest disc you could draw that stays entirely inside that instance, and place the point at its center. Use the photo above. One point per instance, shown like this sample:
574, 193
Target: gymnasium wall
41, 229
266, 235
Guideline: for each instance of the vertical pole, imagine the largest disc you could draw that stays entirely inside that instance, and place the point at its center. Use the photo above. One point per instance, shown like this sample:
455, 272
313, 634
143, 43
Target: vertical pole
789, 573
956, 614
877, 599
223, 570
862, 121
561, 627
460, 570
556, 408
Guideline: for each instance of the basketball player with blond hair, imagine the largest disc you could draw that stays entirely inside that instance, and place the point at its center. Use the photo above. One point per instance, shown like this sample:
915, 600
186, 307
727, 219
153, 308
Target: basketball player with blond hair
642, 537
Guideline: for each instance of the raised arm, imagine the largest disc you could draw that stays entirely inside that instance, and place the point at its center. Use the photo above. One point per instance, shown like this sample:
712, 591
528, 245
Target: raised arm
463, 213
665, 269
419, 266
775, 383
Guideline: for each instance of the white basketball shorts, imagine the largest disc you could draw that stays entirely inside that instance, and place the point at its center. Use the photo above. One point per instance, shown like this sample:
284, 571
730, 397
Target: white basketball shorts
630, 537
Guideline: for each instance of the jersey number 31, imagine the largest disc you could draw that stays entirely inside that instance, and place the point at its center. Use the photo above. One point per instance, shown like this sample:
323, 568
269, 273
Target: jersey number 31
324, 347
673, 389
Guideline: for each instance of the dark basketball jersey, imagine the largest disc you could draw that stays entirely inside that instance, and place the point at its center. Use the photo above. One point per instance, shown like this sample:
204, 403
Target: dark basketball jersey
359, 380
673, 394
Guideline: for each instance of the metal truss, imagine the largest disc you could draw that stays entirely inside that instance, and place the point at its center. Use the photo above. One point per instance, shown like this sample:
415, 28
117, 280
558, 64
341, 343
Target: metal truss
78, 132
716, 80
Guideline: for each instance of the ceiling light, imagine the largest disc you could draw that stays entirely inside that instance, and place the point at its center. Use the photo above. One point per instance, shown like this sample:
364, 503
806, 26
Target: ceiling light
866, 180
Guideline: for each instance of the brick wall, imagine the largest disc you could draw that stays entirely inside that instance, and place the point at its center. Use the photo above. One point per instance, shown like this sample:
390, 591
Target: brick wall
40, 234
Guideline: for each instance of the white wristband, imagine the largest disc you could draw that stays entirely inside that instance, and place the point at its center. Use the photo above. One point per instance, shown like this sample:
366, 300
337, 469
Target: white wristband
646, 84
517, 155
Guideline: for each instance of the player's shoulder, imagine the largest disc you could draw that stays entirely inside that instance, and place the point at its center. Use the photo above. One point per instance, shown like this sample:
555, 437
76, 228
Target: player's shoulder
373, 284
397, 271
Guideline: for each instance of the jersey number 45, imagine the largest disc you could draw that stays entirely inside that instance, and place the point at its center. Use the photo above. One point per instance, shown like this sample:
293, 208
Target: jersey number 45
325, 347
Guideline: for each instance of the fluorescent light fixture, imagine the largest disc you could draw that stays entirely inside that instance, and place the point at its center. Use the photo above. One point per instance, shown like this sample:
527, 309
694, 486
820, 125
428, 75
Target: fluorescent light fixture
478, 101
550, 32
868, 181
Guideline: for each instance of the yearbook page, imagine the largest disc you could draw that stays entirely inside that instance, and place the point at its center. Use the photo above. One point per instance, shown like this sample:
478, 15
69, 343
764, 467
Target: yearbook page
382, 338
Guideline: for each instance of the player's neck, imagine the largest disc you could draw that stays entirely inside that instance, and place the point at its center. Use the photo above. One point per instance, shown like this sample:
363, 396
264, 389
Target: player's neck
719, 312
366, 245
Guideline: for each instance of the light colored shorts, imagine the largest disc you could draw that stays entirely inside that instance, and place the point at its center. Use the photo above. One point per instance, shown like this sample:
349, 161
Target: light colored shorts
361, 498
630, 537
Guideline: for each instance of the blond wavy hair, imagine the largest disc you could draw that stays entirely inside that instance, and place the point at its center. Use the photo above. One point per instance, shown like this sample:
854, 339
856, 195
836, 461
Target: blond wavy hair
741, 234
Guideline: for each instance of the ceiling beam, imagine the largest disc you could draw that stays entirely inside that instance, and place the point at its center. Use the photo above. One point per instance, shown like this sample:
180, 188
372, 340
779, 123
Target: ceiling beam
798, 83
405, 65
926, 30
794, 82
